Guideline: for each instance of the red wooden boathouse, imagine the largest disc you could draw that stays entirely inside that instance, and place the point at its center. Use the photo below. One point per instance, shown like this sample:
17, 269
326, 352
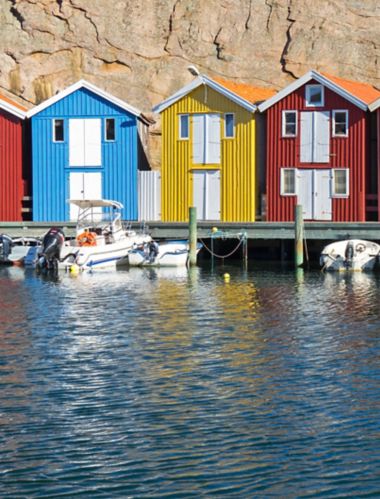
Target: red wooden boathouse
11, 160
318, 150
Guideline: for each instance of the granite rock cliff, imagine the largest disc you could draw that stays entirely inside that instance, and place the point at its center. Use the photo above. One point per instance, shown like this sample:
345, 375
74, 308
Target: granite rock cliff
139, 50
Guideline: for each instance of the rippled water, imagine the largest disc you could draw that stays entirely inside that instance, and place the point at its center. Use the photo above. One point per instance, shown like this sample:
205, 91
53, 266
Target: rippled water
164, 383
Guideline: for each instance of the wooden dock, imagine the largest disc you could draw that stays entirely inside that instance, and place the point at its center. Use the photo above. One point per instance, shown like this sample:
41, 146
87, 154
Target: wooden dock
255, 231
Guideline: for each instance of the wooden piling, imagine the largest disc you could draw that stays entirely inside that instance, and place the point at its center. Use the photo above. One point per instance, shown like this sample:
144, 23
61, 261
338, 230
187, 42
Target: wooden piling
193, 235
298, 228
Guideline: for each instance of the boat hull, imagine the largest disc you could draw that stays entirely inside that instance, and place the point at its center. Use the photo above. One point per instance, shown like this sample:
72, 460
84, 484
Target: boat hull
100, 257
170, 254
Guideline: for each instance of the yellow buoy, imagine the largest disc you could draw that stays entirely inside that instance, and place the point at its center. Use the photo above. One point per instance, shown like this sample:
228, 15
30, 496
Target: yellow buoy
74, 269
214, 229
226, 277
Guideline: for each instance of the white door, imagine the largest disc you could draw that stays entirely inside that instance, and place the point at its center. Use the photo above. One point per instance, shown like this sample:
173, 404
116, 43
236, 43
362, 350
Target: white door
206, 194
314, 194
85, 142
315, 137
305, 192
322, 195
84, 186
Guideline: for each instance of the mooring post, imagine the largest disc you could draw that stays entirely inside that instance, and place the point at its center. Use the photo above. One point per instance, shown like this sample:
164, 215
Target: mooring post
298, 228
193, 235
245, 250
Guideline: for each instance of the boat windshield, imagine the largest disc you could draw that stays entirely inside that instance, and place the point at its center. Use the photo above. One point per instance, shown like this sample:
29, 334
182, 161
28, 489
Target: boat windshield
99, 216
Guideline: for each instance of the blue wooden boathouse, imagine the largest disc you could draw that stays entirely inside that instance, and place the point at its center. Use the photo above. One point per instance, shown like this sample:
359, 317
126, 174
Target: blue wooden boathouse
85, 145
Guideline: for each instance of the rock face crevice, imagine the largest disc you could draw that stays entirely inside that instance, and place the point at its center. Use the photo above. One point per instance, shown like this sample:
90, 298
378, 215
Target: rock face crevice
139, 50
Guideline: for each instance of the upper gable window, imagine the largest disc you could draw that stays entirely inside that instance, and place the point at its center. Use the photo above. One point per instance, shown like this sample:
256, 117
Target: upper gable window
58, 130
314, 95
110, 130
289, 123
183, 126
340, 123
229, 125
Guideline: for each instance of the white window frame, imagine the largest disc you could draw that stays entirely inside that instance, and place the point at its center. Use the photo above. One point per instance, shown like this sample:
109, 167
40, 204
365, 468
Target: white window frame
54, 129
284, 113
225, 126
105, 130
334, 134
282, 182
347, 193
180, 136
308, 89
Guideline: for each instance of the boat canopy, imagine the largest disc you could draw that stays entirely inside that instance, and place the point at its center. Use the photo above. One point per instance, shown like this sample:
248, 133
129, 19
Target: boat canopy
95, 203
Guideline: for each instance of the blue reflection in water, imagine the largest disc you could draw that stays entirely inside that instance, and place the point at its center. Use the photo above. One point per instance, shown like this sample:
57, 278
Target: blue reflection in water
169, 383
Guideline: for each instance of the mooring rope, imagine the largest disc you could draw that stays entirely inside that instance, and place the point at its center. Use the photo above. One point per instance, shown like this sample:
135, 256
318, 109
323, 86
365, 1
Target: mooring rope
227, 254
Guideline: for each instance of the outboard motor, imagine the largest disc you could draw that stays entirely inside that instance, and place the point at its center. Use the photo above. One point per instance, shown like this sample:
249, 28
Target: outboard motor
49, 254
349, 253
153, 251
6, 245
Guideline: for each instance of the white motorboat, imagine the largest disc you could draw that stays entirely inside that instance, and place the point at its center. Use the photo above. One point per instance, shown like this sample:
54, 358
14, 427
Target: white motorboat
350, 254
163, 254
101, 240
18, 251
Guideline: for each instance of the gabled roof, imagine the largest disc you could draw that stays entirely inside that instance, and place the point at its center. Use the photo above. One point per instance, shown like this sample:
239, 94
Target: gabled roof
246, 96
12, 107
92, 88
359, 94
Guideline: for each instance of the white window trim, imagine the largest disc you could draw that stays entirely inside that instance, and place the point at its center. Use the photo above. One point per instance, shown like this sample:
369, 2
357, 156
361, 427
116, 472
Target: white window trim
282, 183
307, 95
105, 130
284, 134
333, 122
180, 126
225, 126
347, 194
53, 125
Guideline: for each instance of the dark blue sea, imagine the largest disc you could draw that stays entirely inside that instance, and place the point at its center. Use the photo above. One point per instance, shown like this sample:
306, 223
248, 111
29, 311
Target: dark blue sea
167, 383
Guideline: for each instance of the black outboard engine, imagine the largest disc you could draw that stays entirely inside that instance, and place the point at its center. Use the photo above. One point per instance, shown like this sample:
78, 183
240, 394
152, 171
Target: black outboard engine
349, 254
6, 245
153, 251
49, 254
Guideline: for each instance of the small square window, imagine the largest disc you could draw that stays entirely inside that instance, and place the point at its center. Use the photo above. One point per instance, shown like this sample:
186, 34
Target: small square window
314, 95
110, 129
340, 123
229, 125
288, 181
289, 123
183, 126
340, 182
58, 130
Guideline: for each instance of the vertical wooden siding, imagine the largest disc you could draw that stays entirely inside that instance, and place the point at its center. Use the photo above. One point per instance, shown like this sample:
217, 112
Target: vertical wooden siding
348, 152
11, 183
237, 166
50, 161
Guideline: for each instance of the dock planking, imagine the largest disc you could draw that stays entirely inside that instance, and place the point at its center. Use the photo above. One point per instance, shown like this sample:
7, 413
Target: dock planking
254, 230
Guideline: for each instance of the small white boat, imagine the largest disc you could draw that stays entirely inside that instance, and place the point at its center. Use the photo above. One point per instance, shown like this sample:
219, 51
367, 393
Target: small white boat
164, 254
101, 240
18, 251
350, 254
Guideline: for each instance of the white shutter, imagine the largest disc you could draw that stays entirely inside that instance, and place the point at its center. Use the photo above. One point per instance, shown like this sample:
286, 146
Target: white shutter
76, 143
198, 138
321, 150
306, 153
213, 139
92, 142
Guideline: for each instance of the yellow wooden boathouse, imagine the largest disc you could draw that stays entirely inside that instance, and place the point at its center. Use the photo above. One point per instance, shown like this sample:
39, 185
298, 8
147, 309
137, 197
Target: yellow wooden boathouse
209, 151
